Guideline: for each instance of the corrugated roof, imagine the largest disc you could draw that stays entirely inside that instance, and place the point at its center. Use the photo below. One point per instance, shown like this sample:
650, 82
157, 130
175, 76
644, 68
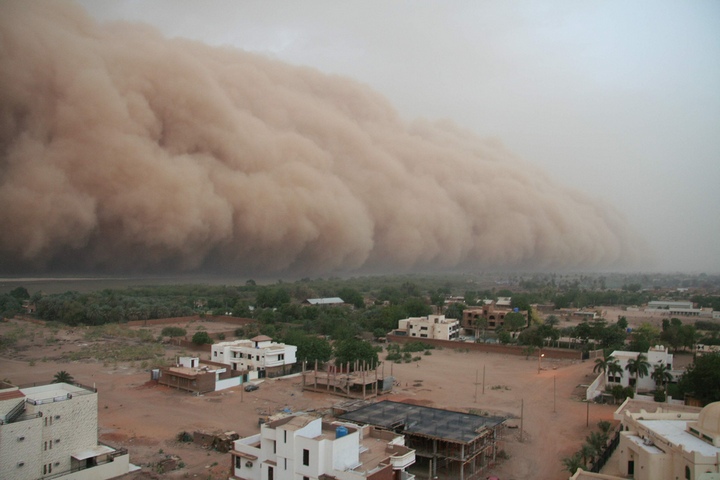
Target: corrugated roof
325, 301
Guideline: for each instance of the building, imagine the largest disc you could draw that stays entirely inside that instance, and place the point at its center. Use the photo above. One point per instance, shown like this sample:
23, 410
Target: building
448, 444
337, 301
432, 326
669, 305
52, 431
655, 355
490, 316
305, 447
196, 376
259, 356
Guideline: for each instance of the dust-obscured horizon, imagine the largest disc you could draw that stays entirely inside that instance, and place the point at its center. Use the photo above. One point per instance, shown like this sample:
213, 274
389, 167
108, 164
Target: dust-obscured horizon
124, 151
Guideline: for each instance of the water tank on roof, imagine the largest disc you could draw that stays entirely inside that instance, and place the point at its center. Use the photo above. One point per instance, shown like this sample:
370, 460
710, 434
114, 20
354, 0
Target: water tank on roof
516, 309
341, 431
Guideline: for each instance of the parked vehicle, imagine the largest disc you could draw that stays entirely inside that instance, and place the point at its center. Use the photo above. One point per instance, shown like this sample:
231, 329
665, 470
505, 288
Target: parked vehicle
251, 387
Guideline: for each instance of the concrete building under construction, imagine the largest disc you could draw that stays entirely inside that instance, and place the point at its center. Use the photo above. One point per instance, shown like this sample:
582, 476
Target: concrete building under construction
447, 444
352, 381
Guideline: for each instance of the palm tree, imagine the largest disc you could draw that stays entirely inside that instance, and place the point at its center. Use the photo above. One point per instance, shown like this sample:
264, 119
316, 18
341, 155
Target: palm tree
601, 364
661, 375
614, 369
597, 441
587, 452
638, 366
571, 464
63, 377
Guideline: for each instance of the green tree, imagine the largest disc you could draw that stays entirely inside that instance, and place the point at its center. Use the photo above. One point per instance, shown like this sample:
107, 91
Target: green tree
601, 364
352, 297
614, 369
351, 349
662, 376
571, 464
515, 321
63, 377
455, 310
173, 332
20, 293
201, 338
702, 379
638, 367
310, 348
416, 307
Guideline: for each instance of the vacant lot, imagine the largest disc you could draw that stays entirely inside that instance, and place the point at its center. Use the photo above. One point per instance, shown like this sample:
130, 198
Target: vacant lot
146, 418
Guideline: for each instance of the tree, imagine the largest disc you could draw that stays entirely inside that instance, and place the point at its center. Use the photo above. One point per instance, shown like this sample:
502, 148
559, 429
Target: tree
638, 366
571, 464
514, 321
601, 364
173, 332
662, 376
614, 369
201, 338
310, 348
63, 377
587, 452
597, 440
351, 349
702, 379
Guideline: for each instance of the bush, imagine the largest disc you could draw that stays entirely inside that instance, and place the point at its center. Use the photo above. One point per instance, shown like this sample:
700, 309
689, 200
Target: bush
173, 332
659, 395
416, 347
202, 338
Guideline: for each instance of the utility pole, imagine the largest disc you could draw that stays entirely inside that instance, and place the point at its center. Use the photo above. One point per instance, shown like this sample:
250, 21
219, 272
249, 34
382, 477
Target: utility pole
554, 393
476, 384
522, 404
483, 380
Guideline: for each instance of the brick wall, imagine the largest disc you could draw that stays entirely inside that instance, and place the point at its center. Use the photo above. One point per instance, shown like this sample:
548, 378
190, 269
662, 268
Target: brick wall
489, 347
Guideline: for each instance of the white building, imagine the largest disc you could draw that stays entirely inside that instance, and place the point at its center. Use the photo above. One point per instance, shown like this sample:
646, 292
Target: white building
665, 443
303, 447
668, 305
432, 326
656, 355
52, 431
260, 356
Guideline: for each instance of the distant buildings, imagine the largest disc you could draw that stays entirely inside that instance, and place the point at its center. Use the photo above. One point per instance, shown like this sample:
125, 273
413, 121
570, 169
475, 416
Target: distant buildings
324, 301
433, 326
260, 356
52, 431
305, 447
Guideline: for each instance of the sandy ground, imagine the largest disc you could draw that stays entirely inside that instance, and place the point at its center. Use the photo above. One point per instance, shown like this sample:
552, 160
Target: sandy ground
146, 418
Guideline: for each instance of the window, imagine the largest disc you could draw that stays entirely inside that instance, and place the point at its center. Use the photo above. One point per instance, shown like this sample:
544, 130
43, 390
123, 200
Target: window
285, 463
306, 457
215, 353
281, 356
238, 462
284, 436
271, 473
274, 444
687, 472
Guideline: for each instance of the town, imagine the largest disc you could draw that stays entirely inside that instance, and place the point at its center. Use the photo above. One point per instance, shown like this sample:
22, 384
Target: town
476, 383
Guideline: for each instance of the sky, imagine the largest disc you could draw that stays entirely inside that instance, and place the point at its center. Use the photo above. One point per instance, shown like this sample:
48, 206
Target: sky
619, 100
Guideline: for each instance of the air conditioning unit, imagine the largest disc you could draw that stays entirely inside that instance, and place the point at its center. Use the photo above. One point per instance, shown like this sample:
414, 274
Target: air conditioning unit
248, 464
20, 464
20, 439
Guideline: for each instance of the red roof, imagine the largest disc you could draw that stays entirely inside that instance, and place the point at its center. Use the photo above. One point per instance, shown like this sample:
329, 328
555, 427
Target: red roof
11, 394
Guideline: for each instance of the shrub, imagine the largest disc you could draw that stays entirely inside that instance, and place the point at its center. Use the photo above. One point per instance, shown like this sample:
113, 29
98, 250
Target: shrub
173, 332
201, 338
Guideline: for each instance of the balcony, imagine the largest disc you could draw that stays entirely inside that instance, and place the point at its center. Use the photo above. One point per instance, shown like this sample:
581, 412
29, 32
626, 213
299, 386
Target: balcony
401, 456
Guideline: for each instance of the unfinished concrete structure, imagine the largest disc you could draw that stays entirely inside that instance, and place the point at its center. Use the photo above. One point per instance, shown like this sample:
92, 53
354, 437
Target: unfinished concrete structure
352, 381
446, 443
196, 376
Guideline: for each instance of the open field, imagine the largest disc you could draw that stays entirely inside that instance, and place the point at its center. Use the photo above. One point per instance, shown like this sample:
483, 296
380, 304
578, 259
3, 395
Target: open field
146, 418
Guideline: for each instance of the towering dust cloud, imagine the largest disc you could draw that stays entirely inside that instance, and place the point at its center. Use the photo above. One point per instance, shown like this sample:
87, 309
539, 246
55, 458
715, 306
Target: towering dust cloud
121, 150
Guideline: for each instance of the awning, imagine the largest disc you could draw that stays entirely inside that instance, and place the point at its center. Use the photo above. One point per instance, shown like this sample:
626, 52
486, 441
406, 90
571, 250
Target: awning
92, 452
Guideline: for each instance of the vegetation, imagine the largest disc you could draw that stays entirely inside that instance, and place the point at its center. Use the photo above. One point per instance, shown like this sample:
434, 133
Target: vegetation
173, 332
202, 338
702, 379
63, 377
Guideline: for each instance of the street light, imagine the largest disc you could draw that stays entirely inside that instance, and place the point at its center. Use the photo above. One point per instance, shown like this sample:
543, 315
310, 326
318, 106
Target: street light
540, 355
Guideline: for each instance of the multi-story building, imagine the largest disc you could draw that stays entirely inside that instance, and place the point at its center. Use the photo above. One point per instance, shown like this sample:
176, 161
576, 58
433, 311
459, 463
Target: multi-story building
260, 356
664, 442
432, 326
304, 447
489, 316
657, 355
52, 431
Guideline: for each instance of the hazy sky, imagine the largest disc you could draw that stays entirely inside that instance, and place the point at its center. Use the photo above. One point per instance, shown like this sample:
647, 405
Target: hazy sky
619, 99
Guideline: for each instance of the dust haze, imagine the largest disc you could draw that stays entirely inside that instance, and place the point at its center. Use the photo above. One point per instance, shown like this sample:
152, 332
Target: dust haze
122, 150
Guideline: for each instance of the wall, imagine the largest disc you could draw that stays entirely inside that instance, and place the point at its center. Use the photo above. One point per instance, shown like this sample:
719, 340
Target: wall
490, 347
194, 318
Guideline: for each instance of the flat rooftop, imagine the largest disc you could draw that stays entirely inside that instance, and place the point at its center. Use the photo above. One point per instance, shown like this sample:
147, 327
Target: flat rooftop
426, 421
675, 431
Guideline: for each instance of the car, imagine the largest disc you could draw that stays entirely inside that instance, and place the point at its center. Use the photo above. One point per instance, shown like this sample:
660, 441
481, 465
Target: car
251, 387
